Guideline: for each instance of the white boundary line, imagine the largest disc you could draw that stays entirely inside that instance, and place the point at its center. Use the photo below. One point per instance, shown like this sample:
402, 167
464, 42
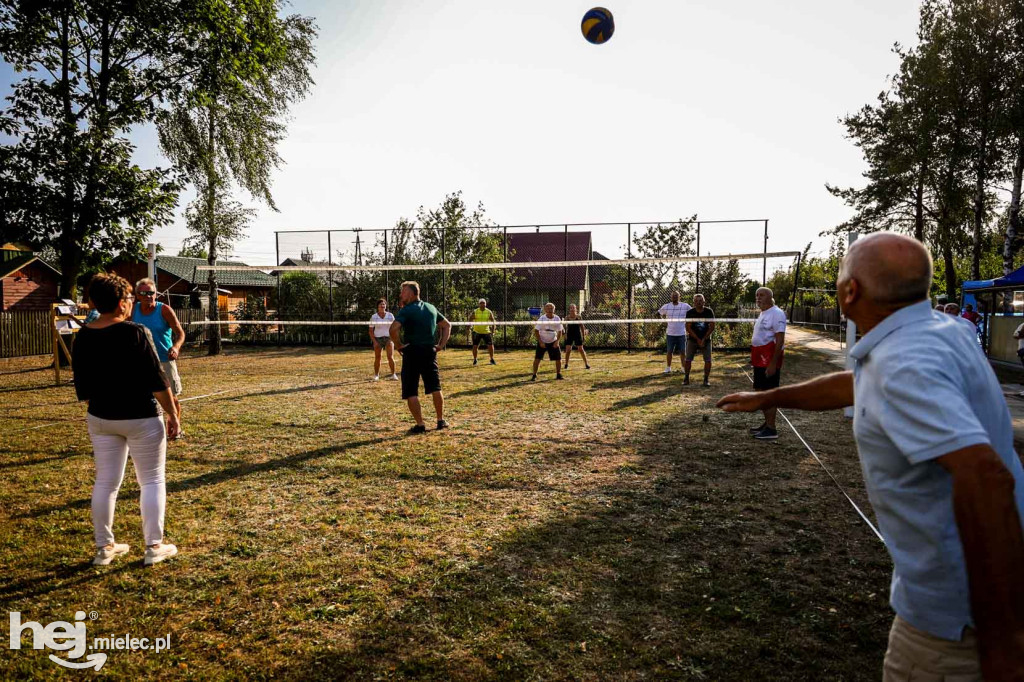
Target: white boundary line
818, 459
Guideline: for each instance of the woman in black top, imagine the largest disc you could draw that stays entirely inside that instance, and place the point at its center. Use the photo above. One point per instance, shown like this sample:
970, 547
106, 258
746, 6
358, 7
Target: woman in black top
575, 332
117, 371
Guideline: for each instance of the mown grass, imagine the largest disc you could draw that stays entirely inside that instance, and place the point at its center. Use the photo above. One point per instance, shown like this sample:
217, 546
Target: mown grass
594, 528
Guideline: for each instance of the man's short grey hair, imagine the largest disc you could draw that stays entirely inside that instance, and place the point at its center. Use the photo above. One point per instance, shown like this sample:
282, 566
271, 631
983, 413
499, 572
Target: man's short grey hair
700, 296
145, 280
770, 292
483, 300
952, 307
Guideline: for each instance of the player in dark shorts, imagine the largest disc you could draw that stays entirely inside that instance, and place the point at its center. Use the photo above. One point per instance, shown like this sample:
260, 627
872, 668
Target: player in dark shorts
548, 331
575, 332
420, 321
698, 337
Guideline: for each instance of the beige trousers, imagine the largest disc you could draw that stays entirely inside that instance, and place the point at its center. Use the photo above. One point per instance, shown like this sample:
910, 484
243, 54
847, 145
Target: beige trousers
916, 656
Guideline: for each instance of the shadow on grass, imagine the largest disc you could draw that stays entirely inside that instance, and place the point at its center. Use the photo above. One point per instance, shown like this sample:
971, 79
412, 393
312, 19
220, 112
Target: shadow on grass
69, 576
42, 460
490, 388
647, 398
699, 574
295, 389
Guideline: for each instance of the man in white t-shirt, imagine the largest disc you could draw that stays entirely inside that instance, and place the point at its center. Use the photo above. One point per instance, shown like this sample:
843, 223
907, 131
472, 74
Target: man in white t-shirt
380, 337
675, 335
548, 331
766, 350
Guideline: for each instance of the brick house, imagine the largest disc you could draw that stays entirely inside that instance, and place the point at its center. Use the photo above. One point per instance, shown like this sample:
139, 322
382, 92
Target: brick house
26, 281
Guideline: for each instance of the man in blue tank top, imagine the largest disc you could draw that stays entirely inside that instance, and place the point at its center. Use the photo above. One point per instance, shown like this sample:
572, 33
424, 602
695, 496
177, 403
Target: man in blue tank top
166, 331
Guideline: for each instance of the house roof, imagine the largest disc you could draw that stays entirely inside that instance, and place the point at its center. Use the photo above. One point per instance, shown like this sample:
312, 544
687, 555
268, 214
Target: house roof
185, 269
12, 260
551, 246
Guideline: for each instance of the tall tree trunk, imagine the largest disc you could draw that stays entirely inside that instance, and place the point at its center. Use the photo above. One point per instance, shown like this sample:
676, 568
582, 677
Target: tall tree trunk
1013, 227
211, 231
979, 204
950, 267
70, 253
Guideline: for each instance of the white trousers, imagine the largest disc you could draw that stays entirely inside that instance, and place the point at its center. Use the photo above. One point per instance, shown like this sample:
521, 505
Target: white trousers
112, 441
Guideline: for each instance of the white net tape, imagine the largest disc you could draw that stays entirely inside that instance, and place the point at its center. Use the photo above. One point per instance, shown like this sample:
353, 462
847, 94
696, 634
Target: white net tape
459, 323
521, 265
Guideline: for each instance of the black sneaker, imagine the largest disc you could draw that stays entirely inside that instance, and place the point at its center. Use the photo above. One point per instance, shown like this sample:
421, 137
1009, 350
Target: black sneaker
493, 362
767, 433
757, 429
586, 366
533, 378
442, 424
419, 428
707, 383
686, 381
559, 377
474, 362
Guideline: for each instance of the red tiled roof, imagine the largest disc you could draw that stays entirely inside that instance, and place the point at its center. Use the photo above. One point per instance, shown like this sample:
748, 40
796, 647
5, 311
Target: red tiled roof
551, 246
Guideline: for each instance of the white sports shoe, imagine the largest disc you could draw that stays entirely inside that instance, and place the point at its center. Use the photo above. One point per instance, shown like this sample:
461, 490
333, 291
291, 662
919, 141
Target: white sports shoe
155, 555
376, 377
393, 377
104, 555
668, 370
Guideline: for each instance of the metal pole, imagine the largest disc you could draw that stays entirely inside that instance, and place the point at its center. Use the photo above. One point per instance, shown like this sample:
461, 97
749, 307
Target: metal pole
629, 287
565, 273
444, 273
387, 273
698, 259
280, 303
504, 295
851, 328
330, 286
796, 283
764, 262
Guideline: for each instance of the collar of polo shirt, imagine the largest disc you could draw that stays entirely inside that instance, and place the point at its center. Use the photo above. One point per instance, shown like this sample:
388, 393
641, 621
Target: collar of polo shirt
900, 318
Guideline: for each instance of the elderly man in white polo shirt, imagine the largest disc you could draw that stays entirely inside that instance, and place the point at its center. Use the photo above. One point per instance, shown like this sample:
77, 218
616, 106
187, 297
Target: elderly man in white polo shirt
548, 331
936, 447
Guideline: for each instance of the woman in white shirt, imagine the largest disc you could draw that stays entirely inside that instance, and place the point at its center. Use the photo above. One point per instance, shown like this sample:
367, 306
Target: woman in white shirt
380, 336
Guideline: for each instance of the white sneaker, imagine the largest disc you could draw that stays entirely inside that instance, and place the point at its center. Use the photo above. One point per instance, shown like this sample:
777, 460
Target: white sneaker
393, 377
668, 370
376, 377
105, 555
155, 555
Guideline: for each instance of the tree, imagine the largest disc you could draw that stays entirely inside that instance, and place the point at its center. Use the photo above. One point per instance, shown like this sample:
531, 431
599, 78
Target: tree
674, 240
226, 124
93, 70
192, 250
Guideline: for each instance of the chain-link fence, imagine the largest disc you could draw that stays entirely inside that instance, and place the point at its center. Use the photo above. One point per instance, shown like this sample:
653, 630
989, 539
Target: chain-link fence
517, 287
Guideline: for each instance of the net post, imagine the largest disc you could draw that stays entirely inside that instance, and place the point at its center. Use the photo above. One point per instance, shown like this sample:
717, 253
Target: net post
698, 258
629, 287
330, 287
387, 273
565, 273
851, 327
444, 272
796, 284
280, 302
764, 262
504, 294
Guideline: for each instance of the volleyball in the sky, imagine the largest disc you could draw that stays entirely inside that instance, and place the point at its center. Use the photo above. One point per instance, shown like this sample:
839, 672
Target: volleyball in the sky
598, 25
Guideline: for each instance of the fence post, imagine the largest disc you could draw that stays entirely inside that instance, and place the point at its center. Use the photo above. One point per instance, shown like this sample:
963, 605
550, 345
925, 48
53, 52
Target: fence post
330, 287
565, 273
796, 285
629, 287
504, 295
387, 273
280, 301
764, 261
444, 272
698, 259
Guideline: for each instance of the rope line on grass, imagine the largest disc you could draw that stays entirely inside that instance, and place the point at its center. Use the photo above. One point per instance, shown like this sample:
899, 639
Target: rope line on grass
818, 459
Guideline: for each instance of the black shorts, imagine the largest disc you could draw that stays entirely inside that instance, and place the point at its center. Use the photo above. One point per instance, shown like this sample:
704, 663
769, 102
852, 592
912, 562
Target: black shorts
573, 338
553, 351
486, 339
763, 382
419, 361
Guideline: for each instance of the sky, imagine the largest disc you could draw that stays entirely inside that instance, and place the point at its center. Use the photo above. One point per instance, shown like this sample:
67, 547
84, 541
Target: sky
727, 110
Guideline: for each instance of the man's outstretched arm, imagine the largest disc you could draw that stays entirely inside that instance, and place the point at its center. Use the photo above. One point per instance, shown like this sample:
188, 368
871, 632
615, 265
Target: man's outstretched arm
828, 392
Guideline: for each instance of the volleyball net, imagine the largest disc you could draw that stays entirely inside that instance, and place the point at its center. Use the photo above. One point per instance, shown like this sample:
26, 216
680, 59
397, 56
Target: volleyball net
329, 282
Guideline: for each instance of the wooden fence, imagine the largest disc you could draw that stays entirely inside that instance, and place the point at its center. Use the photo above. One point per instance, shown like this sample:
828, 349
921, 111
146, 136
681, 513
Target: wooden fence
25, 332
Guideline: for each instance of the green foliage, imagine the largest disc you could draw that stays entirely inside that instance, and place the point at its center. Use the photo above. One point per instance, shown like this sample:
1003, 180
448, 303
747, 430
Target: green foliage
92, 70
253, 308
675, 240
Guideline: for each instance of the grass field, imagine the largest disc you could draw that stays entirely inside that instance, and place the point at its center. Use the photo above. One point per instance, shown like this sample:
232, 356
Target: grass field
595, 528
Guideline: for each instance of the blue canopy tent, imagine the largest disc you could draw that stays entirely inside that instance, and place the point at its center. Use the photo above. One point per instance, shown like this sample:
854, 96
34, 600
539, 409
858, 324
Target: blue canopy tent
998, 323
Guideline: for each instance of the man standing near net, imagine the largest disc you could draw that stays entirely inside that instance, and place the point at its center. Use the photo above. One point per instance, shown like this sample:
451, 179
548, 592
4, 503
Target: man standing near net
420, 320
675, 334
483, 329
698, 337
548, 332
766, 350
935, 440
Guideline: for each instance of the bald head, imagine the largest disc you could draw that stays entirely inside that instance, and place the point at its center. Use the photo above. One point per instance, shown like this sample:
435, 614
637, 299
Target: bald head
891, 269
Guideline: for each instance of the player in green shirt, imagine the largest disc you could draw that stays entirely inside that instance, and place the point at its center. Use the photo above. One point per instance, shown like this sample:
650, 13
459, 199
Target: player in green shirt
420, 322
482, 331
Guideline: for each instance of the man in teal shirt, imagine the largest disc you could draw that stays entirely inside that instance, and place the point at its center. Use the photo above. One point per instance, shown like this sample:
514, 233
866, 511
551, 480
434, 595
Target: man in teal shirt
420, 321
